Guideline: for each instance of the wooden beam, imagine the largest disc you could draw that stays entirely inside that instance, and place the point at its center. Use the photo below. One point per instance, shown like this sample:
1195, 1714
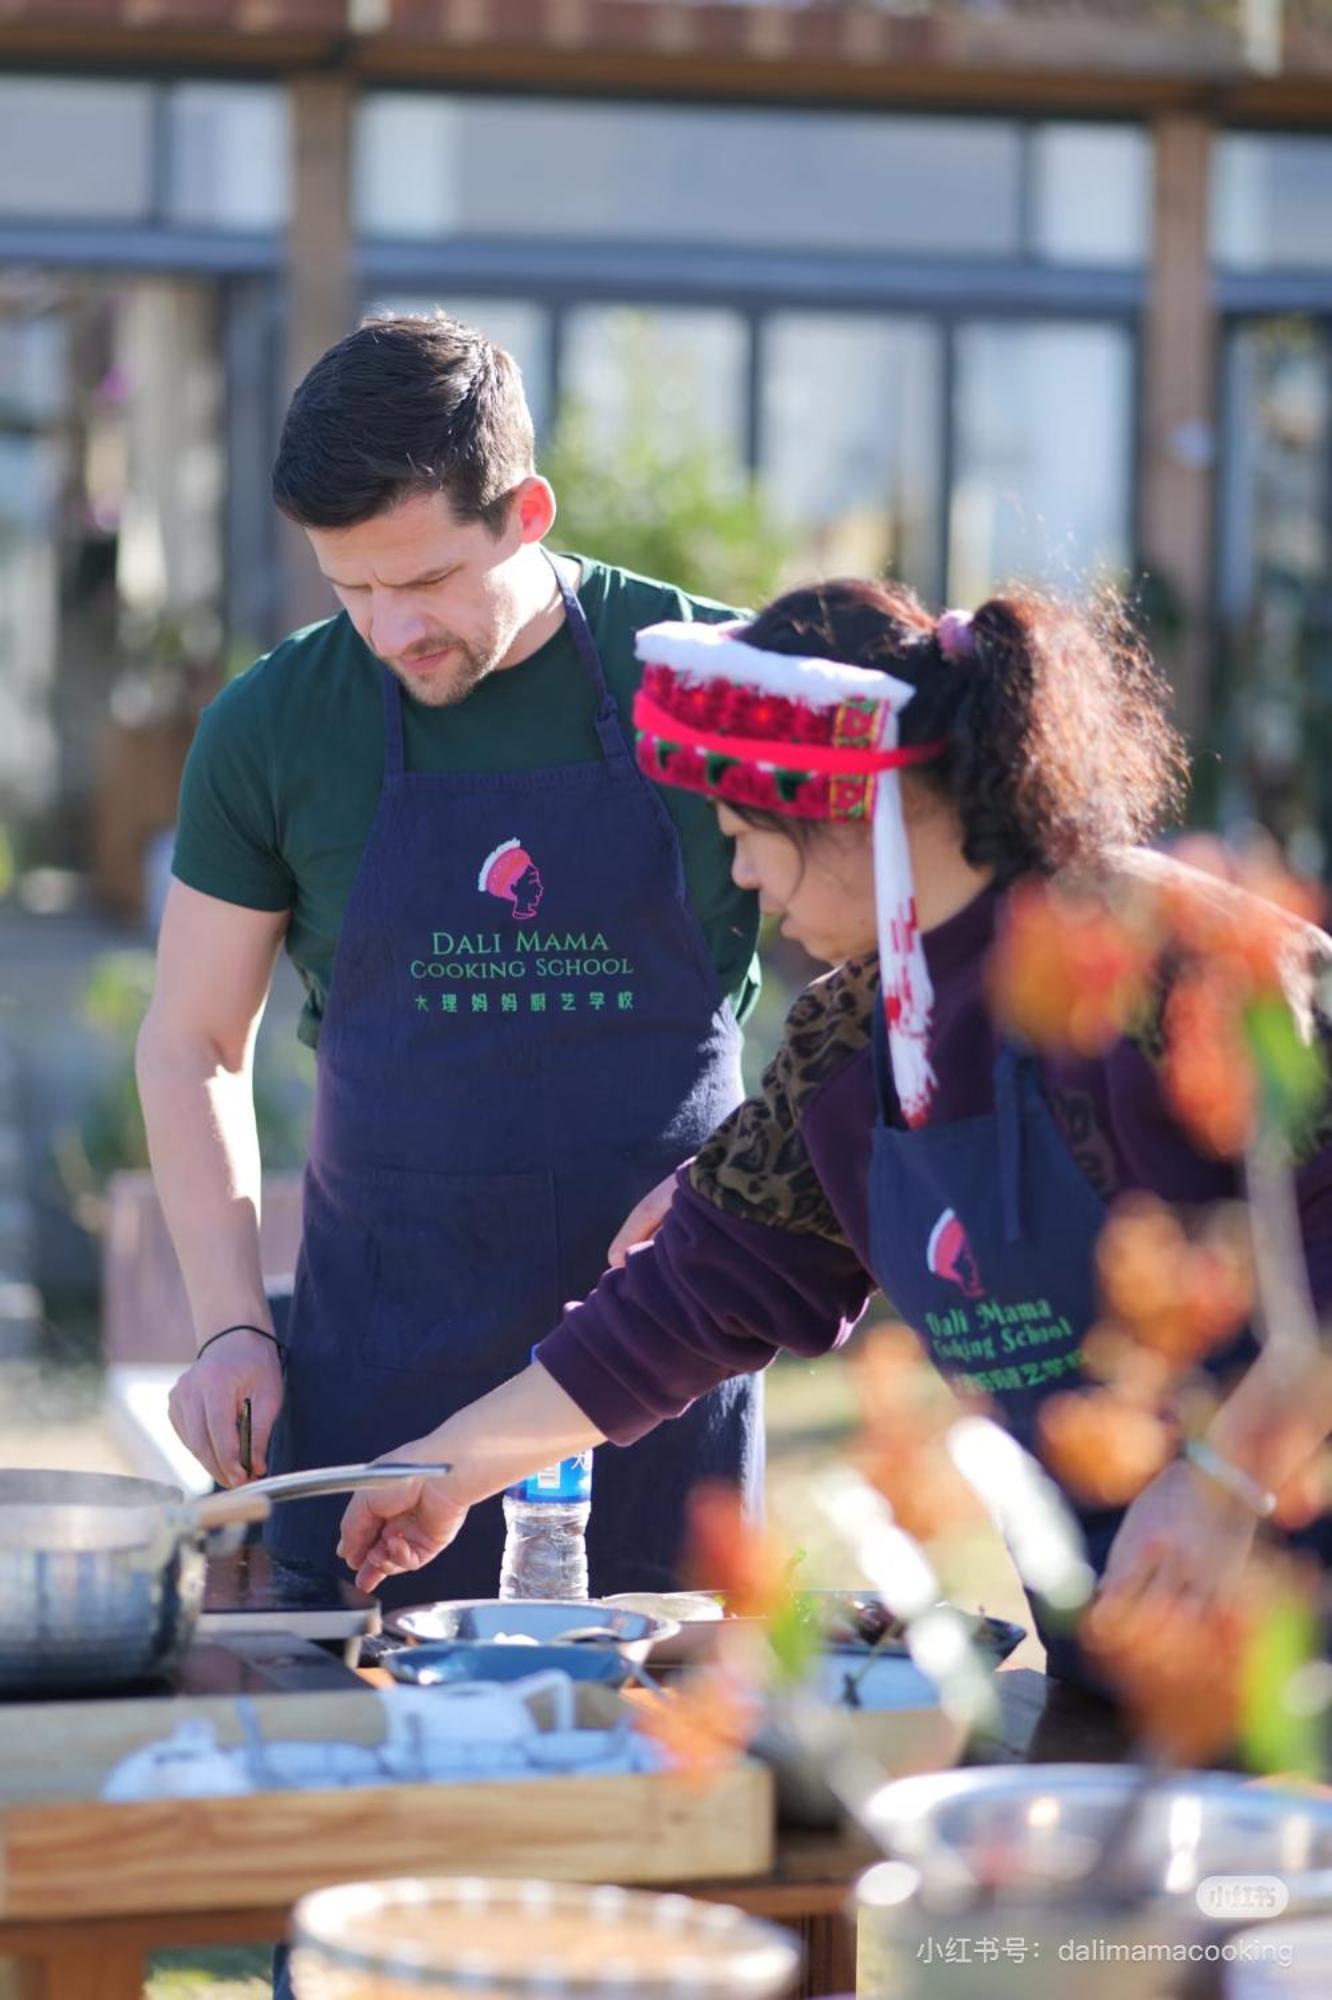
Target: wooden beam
319, 239
1031, 54
321, 295
1179, 396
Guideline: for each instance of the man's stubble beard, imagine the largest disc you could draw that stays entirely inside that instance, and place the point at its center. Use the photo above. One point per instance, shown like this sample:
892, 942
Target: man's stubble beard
445, 691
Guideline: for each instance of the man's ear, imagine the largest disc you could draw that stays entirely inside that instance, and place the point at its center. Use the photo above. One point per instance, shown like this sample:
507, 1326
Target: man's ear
533, 508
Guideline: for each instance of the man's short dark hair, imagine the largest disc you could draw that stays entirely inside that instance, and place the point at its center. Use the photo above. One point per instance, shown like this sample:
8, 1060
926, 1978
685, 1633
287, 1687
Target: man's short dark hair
404, 405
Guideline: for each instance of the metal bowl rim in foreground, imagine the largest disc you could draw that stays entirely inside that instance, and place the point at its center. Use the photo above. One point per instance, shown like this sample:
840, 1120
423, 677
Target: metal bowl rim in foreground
909, 1817
770, 1965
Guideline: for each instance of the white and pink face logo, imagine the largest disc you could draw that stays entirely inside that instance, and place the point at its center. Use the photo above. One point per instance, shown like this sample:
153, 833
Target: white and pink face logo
949, 1256
511, 874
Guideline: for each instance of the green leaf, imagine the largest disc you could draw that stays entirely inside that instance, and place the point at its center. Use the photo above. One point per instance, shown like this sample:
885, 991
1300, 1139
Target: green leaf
795, 1636
1279, 1731
1292, 1072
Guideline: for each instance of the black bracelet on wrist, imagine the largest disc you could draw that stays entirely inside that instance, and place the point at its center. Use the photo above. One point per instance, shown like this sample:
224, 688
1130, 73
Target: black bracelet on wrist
241, 1326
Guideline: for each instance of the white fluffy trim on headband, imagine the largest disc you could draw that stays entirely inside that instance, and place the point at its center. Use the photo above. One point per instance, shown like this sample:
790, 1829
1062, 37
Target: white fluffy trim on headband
698, 648
505, 847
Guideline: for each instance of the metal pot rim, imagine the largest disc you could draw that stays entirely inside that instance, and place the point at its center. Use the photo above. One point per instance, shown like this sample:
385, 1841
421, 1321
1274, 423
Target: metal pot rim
82, 1511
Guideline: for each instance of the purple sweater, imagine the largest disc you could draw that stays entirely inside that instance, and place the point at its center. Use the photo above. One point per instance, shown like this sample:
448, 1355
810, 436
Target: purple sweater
765, 1247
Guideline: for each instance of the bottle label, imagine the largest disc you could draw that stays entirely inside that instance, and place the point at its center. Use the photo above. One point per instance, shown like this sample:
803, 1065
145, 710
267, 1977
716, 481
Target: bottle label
570, 1480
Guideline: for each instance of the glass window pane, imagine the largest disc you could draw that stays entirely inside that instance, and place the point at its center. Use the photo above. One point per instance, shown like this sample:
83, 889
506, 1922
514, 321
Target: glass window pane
852, 441
1278, 439
1044, 422
1091, 194
33, 365
1272, 714
517, 325
431, 166
228, 161
76, 150
1272, 202
404, 169
29, 616
667, 376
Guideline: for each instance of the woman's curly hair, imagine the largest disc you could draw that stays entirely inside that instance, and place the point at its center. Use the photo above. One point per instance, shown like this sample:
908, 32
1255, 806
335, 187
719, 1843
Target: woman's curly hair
1059, 742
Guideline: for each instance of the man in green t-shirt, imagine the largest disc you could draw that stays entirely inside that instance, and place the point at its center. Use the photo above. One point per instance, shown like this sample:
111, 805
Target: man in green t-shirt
524, 966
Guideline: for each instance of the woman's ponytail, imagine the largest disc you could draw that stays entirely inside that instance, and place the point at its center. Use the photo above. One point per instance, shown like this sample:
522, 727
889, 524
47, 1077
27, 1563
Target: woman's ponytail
1060, 742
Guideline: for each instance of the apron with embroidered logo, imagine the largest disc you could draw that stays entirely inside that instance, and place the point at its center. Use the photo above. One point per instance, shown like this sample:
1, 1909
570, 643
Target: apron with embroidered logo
983, 1234
524, 1033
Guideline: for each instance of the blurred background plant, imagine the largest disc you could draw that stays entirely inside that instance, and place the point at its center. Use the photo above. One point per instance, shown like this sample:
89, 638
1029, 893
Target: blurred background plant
110, 1139
662, 497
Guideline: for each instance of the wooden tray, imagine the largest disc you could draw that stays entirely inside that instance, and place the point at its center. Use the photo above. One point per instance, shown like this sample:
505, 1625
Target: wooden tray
64, 1853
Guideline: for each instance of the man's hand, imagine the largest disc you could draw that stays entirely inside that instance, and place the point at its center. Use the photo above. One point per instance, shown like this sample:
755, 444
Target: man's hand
642, 1222
205, 1405
396, 1528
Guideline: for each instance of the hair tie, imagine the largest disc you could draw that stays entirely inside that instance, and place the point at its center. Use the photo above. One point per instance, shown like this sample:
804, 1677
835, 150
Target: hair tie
956, 635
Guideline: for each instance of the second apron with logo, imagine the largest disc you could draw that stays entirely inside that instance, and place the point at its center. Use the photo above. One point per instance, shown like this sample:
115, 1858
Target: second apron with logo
524, 1033
983, 1234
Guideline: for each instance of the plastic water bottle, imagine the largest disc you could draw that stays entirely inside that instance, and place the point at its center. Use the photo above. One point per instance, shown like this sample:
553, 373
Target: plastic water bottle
545, 1551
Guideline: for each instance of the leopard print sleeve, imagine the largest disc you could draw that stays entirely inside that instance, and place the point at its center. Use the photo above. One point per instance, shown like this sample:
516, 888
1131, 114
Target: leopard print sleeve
756, 1165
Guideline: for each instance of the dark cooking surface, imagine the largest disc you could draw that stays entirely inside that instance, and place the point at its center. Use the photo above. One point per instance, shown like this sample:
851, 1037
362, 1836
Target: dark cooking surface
250, 1663
250, 1586
262, 1663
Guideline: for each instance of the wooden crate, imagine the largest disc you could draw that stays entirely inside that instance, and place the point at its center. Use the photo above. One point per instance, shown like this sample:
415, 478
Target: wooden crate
65, 1854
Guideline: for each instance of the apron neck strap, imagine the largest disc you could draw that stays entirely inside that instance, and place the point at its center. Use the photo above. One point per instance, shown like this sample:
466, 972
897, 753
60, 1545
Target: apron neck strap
609, 733
1010, 1064
1008, 1069
393, 744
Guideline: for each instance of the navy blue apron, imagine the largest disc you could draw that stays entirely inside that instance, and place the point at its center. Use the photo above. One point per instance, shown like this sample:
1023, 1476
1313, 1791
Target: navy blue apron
983, 1233
524, 1034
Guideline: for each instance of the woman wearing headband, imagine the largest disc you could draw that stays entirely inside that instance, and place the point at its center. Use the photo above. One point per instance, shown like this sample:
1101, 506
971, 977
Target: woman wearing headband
887, 777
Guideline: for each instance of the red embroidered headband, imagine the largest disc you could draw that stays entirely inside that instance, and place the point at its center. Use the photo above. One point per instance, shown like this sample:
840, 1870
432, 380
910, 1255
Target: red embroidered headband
810, 739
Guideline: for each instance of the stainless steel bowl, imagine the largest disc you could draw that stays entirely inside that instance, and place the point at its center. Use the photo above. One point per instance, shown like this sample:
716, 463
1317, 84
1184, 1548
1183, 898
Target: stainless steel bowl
403, 1940
1025, 1853
541, 1621
448, 1662
1049, 1824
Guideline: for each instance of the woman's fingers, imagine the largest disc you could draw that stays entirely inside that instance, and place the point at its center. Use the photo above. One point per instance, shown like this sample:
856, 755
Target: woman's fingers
642, 1222
397, 1528
366, 1513
391, 1554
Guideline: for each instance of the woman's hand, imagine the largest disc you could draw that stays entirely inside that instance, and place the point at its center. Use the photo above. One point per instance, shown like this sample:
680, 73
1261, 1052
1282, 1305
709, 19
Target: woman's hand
642, 1222
391, 1529
1184, 1536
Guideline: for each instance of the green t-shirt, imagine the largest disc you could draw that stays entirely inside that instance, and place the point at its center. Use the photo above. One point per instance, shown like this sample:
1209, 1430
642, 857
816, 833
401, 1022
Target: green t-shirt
284, 774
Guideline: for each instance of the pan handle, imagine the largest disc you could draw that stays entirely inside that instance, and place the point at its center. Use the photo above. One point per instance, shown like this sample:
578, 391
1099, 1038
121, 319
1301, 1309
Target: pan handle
255, 1501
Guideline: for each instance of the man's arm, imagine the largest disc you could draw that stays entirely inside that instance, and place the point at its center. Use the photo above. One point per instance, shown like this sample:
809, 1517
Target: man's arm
195, 1060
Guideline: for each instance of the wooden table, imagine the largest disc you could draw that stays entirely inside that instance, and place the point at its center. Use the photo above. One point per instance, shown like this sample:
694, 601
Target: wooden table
807, 1889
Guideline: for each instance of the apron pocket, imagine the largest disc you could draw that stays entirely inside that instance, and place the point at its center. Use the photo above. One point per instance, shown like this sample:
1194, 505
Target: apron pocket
465, 1273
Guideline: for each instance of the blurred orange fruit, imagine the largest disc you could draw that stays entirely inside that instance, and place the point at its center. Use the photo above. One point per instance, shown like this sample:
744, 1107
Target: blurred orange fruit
1100, 1446
1069, 972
